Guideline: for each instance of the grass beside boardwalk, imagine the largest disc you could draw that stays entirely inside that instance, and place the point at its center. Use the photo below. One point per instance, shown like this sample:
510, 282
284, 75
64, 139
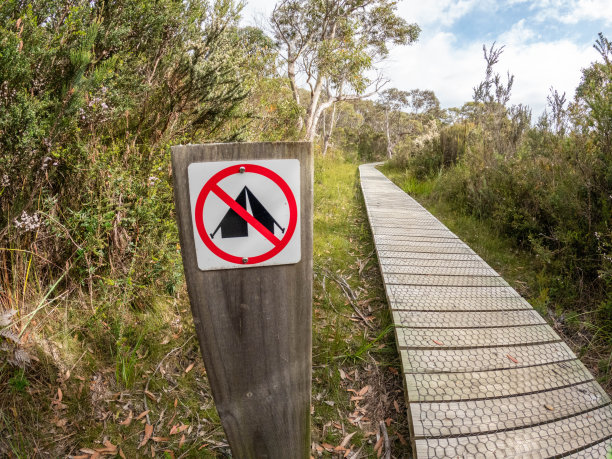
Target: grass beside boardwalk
125, 379
521, 269
357, 379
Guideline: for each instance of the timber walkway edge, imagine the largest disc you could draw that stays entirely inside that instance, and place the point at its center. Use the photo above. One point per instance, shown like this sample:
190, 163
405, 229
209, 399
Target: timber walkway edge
485, 376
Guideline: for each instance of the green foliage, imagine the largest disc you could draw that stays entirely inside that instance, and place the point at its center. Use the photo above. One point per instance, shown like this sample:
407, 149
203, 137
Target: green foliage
19, 382
125, 366
92, 95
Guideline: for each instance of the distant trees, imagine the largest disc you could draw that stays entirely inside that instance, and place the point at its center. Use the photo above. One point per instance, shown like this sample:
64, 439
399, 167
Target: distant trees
406, 112
334, 45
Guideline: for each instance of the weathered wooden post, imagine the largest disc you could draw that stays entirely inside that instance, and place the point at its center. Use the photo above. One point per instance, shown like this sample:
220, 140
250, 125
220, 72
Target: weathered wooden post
244, 213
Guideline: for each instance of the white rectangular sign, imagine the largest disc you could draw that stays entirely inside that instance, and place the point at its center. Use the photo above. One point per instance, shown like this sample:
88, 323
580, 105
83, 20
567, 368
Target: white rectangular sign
245, 213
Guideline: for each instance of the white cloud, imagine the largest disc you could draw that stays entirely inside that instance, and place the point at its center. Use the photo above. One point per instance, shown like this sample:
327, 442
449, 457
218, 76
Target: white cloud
436, 12
589, 10
538, 66
518, 33
257, 12
437, 63
572, 11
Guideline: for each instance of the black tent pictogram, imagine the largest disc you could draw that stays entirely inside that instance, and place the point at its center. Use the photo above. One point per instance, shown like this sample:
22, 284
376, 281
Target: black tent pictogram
233, 225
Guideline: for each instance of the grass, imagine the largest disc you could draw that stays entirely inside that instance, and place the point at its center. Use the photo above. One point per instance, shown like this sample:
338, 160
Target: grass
105, 366
521, 270
350, 356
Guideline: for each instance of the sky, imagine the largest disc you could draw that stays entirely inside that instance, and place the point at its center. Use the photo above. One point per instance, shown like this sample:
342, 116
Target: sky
547, 43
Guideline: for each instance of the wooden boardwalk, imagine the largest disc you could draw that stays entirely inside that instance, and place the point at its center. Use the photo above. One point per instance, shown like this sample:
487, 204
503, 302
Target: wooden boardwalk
485, 376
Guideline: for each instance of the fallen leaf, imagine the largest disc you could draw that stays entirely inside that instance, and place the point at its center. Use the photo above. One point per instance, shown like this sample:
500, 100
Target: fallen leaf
363, 390
175, 402
439, 343
378, 444
121, 454
182, 441
159, 439
388, 421
174, 429
61, 422
353, 399
512, 358
142, 415
88, 451
346, 439
327, 446
401, 439
189, 368
148, 431
108, 448
150, 395
82, 456
393, 370
549, 408
127, 421
342, 373
396, 405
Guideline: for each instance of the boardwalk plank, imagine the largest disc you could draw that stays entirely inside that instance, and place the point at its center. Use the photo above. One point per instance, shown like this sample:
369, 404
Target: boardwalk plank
413, 338
482, 416
467, 319
542, 441
442, 360
432, 387
444, 281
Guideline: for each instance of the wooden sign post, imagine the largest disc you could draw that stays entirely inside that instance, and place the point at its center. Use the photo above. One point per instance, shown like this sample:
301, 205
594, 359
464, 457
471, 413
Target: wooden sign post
244, 214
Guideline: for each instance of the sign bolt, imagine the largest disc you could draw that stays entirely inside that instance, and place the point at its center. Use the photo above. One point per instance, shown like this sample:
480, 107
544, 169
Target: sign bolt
242, 169
245, 260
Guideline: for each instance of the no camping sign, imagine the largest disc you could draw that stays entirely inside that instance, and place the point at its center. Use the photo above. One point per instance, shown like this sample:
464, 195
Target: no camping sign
245, 213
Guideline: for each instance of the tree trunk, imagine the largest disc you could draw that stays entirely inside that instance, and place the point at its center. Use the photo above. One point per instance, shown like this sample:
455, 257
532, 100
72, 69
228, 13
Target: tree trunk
314, 110
328, 133
389, 146
294, 90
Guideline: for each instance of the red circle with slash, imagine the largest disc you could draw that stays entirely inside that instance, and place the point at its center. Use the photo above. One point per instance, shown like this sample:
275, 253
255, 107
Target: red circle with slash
212, 186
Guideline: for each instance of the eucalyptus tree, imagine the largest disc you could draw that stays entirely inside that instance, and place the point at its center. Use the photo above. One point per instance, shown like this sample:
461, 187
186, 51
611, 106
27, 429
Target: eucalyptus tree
406, 112
336, 44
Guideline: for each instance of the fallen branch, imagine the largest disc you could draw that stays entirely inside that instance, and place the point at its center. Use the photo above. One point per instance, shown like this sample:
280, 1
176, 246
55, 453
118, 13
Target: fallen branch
387, 443
350, 295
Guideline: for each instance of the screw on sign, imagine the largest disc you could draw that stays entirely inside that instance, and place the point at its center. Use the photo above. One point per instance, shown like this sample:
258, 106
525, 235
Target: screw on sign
245, 213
